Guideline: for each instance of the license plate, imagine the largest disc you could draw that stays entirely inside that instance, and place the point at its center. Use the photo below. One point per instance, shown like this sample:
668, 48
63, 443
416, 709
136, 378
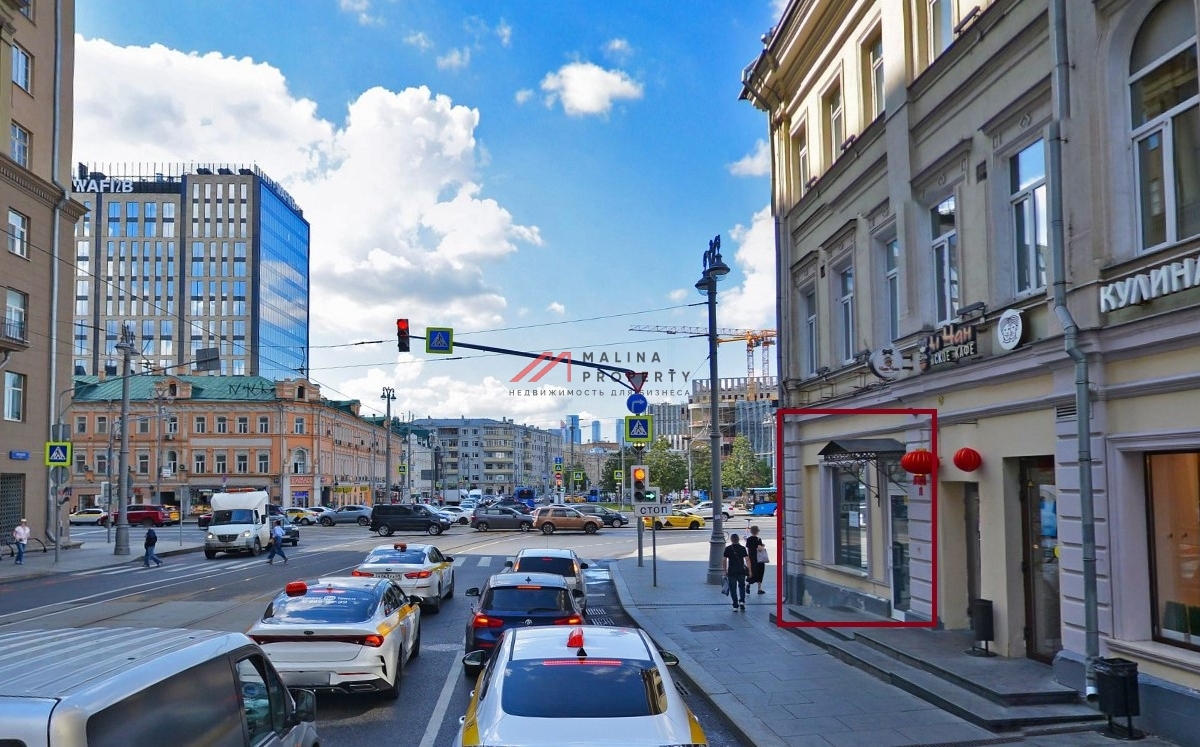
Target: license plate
395, 576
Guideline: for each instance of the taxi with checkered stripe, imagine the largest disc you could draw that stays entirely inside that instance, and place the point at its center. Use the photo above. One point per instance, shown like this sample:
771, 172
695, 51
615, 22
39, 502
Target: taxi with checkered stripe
421, 570
572, 686
341, 634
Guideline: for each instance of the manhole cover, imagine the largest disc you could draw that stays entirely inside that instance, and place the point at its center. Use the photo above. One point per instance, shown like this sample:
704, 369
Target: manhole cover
708, 628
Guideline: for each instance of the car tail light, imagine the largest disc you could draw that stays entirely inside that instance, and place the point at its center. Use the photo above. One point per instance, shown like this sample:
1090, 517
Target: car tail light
357, 572
419, 574
483, 621
572, 620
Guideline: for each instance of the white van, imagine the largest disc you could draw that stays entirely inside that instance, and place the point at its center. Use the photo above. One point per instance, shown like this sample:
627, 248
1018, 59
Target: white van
116, 687
240, 523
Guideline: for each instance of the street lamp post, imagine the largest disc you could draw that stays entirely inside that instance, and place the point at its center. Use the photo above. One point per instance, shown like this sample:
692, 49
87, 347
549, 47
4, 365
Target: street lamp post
714, 270
121, 544
389, 395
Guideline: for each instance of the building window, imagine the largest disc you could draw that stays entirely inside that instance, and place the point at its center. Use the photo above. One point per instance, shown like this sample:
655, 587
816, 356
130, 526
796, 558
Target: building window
298, 426
27, 10
173, 424
1027, 185
200, 424
19, 144
945, 260
835, 123
243, 424
846, 313
143, 462
299, 462
18, 233
1174, 498
800, 161
143, 425
101, 463
199, 463
810, 332
81, 424
1164, 101
14, 396
101, 424
16, 309
222, 424
264, 462
891, 281
241, 462
850, 539
220, 462
264, 424
22, 68
873, 76
80, 461
941, 27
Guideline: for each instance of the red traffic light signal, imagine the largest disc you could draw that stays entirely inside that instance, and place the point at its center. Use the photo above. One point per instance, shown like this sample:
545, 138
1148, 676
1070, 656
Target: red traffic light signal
402, 335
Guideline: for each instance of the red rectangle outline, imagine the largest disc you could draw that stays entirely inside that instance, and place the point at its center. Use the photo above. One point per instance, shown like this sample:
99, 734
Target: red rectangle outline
779, 514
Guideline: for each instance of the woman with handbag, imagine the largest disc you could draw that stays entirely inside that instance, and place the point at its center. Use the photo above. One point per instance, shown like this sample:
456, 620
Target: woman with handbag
758, 559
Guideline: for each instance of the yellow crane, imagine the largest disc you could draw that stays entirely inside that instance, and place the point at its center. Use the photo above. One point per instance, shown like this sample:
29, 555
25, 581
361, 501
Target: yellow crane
754, 338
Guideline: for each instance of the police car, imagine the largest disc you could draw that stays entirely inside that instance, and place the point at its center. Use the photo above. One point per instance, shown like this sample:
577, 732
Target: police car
567, 686
341, 634
421, 571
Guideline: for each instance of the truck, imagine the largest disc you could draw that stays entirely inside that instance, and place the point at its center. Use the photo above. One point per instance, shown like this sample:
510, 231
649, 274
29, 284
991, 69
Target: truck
240, 523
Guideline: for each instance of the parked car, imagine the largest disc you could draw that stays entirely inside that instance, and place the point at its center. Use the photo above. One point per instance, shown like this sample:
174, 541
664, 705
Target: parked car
610, 517
550, 519
510, 600
352, 514
88, 516
303, 516
559, 561
487, 518
387, 518
143, 515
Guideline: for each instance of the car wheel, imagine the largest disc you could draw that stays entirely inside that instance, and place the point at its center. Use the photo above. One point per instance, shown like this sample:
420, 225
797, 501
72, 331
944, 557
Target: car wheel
296, 542
694, 525
210, 554
464, 521
589, 528
256, 549
306, 522
363, 521
416, 649
450, 594
526, 526
383, 530
435, 607
434, 529
658, 525
481, 526
326, 521
547, 528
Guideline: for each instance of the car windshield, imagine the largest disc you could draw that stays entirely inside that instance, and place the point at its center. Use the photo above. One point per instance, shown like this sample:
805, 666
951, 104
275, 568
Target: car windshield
326, 605
233, 516
533, 688
538, 563
399, 557
526, 599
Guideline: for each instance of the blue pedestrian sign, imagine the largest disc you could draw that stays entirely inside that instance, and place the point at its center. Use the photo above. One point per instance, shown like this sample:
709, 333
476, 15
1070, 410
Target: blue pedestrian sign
439, 340
637, 404
58, 453
639, 429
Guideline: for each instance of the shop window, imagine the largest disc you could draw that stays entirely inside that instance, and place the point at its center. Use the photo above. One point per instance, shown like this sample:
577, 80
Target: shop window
1174, 496
851, 545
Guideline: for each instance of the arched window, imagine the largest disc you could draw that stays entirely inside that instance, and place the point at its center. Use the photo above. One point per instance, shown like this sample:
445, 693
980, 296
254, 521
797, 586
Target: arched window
1164, 104
299, 462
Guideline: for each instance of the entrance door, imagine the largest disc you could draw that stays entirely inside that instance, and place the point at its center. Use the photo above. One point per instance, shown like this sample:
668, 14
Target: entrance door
974, 564
1039, 520
901, 591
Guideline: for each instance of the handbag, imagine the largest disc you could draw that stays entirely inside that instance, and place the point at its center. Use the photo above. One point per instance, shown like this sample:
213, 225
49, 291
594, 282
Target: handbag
725, 585
761, 556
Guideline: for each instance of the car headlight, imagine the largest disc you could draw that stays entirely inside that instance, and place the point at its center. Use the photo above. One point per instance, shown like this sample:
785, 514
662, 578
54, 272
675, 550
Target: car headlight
210, 536
246, 534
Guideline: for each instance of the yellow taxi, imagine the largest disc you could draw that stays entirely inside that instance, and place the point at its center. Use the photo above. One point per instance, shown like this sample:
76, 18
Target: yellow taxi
421, 571
679, 518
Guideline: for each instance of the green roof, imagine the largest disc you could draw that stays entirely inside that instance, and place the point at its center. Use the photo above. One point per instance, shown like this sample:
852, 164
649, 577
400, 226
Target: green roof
204, 388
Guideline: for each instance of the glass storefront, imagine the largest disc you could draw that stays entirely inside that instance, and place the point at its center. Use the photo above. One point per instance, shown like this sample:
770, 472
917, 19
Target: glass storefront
1173, 492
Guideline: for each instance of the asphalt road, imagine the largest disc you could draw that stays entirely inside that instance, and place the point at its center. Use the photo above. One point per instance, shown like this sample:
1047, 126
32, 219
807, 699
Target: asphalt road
229, 593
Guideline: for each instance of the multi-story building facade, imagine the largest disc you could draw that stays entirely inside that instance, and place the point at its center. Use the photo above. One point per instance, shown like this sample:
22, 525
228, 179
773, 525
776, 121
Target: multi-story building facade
191, 436
37, 58
495, 456
190, 258
989, 211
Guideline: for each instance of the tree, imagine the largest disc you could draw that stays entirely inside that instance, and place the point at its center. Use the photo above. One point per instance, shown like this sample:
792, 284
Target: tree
668, 468
701, 466
743, 469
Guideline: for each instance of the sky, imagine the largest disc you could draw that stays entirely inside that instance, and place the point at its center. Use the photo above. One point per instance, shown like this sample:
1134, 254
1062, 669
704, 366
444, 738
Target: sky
535, 176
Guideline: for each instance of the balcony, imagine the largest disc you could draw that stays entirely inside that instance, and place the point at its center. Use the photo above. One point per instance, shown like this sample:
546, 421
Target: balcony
14, 336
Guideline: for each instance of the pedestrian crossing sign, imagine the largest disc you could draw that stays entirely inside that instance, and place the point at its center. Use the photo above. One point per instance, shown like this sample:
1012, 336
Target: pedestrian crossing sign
439, 340
58, 453
639, 429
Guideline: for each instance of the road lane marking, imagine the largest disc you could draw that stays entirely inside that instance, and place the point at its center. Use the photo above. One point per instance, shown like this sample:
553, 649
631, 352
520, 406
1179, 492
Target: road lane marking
442, 705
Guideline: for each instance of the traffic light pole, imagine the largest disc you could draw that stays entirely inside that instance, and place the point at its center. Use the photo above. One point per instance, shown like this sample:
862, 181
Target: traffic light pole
588, 364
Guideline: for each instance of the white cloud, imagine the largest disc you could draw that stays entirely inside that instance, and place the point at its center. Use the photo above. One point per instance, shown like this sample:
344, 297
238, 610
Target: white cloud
557, 308
362, 11
504, 31
420, 40
757, 163
678, 295
751, 305
585, 88
618, 49
523, 95
455, 59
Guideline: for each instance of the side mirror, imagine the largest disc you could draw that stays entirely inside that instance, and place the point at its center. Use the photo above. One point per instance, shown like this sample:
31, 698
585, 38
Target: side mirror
578, 593
583, 565
414, 600
448, 558
508, 564
306, 704
473, 664
472, 592
670, 659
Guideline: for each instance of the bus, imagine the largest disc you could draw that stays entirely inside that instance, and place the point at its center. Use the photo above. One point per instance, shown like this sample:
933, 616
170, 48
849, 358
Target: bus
761, 501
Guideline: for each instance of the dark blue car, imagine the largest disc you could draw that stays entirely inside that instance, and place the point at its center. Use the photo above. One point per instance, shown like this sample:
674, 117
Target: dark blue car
520, 599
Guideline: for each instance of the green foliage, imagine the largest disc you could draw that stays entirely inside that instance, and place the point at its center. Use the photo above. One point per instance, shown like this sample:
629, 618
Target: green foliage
743, 469
668, 469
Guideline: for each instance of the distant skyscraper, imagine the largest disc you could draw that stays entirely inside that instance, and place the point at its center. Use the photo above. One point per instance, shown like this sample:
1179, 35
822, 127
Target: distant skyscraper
191, 258
595, 431
576, 436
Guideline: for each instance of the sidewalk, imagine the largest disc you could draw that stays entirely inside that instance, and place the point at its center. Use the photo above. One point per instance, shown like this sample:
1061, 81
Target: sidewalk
76, 556
778, 689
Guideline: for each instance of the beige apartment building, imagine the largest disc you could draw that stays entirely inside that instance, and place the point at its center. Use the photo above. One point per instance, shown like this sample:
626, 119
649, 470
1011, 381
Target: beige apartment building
38, 60
988, 212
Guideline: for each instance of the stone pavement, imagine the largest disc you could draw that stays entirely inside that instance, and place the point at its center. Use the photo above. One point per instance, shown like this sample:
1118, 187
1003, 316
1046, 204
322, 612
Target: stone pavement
778, 689
40, 559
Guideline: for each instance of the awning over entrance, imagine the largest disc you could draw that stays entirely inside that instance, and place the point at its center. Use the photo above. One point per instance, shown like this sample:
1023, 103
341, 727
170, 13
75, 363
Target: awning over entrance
852, 455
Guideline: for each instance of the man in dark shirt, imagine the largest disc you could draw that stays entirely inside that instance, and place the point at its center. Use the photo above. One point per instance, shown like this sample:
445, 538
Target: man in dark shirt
736, 570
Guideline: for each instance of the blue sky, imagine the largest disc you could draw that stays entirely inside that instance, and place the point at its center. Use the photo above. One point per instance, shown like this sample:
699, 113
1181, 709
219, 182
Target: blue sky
538, 176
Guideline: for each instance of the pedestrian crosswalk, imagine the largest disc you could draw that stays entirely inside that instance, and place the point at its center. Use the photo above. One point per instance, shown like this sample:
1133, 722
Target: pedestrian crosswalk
180, 564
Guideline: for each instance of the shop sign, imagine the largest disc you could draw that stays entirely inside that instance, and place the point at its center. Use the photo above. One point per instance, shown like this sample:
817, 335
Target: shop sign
1010, 329
949, 344
301, 481
1147, 286
888, 363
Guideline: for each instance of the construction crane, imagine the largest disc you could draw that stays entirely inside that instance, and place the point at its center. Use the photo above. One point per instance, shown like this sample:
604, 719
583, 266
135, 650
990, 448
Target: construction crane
754, 338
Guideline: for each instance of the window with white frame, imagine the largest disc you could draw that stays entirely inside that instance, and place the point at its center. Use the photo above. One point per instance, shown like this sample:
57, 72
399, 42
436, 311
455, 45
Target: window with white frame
800, 164
18, 145
873, 75
143, 462
845, 315
264, 462
891, 286
241, 462
200, 424
264, 424
81, 424
199, 462
18, 233
220, 462
941, 27
143, 426
1027, 187
16, 310
1164, 104
80, 460
14, 396
101, 424
835, 123
809, 334
243, 424
22, 68
222, 424
173, 424
299, 462
101, 463
945, 259
298, 426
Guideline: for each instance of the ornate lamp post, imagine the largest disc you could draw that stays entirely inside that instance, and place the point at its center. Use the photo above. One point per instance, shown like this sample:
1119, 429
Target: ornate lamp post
714, 270
389, 395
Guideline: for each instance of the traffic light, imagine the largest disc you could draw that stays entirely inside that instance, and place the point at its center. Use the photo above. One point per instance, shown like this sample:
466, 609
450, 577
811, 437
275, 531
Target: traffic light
640, 477
402, 335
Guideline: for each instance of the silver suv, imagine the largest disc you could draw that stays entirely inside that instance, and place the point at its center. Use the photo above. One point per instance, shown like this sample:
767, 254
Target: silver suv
353, 514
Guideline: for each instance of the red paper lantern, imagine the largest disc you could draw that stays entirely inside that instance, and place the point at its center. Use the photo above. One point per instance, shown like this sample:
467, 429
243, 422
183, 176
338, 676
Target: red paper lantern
919, 463
967, 459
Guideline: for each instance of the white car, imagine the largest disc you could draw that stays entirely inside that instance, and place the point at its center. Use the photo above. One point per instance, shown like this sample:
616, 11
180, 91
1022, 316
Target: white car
341, 634
89, 516
705, 509
544, 682
457, 514
421, 571
560, 562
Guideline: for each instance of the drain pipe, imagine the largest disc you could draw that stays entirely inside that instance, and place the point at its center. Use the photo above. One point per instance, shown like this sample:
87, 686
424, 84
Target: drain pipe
1083, 405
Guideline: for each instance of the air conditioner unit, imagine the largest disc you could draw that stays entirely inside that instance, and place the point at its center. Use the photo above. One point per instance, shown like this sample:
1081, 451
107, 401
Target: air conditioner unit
170, 436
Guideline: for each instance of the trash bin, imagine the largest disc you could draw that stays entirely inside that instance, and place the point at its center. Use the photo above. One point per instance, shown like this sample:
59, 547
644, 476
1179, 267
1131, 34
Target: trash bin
1117, 687
981, 620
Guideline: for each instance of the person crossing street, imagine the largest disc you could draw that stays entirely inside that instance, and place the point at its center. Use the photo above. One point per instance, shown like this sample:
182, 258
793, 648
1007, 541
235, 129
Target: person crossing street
276, 543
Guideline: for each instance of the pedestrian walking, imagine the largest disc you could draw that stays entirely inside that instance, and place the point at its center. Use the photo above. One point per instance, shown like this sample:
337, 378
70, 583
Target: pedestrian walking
276, 543
736, 571
151, 541
21, 537
759, 557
